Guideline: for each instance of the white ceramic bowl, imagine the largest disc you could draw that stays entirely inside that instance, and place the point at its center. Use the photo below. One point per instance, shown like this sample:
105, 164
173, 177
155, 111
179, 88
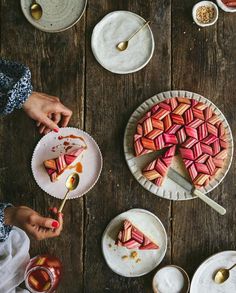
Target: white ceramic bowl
205, 3
224, 7
186, 287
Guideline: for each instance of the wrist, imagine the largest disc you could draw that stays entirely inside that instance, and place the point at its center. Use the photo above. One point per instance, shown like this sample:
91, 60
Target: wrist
26, 104
9, 213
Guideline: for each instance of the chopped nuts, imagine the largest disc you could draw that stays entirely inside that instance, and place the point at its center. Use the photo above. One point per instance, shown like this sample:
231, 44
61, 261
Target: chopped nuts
205, 14
138, 260
125, 257
133, 254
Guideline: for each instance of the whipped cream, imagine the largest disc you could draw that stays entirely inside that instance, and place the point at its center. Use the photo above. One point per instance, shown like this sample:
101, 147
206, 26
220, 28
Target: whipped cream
168, 280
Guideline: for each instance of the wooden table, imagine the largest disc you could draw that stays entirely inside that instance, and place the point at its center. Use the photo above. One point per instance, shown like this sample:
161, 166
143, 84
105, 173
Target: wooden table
62, 64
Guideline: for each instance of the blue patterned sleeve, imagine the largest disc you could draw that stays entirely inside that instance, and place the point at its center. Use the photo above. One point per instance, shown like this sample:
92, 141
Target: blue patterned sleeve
4, 229
15, 86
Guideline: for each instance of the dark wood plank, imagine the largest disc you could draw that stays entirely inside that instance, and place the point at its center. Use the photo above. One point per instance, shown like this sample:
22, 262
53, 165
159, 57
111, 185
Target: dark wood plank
204, 62
110, 100
57, 64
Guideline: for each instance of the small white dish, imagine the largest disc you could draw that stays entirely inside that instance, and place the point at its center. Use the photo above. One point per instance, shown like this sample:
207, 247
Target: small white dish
52, 145
209, 4
225, 7
171, 279
203, 278
119, 258
118, 26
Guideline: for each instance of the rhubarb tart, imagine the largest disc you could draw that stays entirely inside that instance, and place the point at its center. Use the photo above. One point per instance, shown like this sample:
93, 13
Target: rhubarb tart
132, 238
56, 166
188, 127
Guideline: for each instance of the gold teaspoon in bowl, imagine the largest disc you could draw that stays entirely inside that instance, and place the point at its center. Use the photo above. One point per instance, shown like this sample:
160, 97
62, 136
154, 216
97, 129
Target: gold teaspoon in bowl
36, 10
71, 183
124, 45
222, 275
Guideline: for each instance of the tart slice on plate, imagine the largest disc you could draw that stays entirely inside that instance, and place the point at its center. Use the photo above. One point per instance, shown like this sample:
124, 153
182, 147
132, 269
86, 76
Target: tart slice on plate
56, 166
132, 238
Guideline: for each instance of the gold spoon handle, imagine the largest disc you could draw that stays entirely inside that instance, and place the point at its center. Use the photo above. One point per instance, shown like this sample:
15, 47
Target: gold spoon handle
232, 267
139, 30
64, 201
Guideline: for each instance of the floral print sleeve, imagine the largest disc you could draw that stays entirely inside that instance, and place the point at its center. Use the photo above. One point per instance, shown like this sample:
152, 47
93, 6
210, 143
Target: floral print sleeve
15, 86
4, 229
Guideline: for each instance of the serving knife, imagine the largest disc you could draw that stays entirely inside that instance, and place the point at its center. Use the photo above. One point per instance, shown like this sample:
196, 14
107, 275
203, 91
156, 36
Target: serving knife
180, 180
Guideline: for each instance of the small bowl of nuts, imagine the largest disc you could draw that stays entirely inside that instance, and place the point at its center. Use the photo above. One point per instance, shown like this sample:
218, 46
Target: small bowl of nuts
205, 13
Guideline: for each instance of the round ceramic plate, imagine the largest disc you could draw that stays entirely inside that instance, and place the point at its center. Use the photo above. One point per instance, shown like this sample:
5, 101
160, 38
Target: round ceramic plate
58, 15
169, 189
118, 26
203, 278
149, 259
224, 7
51, 145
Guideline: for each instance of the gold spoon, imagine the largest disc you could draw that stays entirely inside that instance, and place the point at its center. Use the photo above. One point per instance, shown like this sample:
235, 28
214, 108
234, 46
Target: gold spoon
36, 10
124, 45
222, 275
71, 183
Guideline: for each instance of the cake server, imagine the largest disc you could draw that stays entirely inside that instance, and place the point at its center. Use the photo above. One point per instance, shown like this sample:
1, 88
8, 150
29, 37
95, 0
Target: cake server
180, 180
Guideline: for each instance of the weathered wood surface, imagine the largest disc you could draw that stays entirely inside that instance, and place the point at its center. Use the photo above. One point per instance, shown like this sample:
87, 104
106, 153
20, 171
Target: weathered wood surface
62, 64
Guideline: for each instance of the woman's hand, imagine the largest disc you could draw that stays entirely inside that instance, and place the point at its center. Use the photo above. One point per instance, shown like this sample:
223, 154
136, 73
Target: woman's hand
48, 111
32, 223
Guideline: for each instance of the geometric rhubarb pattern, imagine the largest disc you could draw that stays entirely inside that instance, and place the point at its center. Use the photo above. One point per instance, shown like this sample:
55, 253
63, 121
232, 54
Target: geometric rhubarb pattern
55, 167
132, 238
189, 127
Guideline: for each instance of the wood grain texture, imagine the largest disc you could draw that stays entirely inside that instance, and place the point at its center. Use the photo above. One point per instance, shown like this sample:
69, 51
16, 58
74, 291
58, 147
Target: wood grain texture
62, 64
203, 61
110, 100
57, 64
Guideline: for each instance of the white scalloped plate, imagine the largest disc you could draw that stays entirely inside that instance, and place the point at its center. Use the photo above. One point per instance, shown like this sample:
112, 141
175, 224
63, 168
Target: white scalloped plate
91, 160
202, 280
149, 259
169, 189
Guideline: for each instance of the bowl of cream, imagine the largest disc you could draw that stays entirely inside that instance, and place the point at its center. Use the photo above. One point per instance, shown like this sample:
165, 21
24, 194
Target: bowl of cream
171, 279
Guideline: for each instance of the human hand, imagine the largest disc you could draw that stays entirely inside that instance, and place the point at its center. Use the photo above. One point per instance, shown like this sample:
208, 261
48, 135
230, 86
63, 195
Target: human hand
48, 111
32, 223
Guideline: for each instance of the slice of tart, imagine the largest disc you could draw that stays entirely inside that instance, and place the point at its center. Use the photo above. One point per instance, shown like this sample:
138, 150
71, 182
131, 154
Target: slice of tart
56, 166
157, 169
132, 238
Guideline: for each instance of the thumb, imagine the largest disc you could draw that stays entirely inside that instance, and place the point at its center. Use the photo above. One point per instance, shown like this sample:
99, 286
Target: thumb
45, 222
48, 123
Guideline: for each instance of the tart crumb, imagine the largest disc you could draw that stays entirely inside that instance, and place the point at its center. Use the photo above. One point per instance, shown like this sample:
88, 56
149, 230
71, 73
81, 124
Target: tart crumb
125, 257
133, 254
138, 260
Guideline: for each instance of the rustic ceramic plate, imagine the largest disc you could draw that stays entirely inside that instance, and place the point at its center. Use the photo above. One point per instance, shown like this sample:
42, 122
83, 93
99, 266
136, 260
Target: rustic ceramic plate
203, 278
149, 259
50, 146
224, 7
118, 26
169, 189
58, 15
